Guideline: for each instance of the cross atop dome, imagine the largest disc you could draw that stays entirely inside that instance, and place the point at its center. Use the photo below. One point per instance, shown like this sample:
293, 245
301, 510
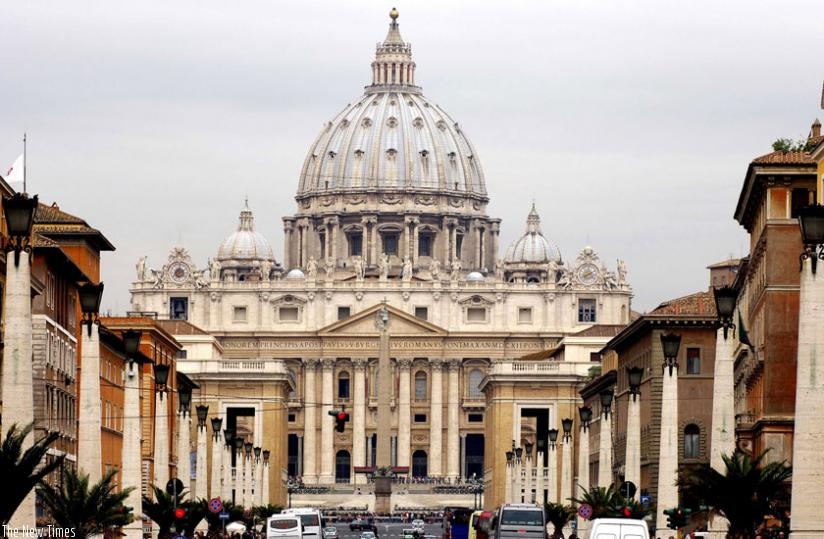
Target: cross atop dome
393, 68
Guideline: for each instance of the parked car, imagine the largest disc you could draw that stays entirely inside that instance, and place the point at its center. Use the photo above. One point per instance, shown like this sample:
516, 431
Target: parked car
368, 535
330, 533
418, 524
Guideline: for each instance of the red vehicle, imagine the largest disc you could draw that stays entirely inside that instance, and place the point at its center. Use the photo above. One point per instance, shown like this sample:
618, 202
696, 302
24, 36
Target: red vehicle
481, 524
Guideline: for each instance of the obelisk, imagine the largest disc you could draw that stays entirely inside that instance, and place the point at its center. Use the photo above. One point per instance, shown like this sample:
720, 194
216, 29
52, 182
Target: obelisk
383, 461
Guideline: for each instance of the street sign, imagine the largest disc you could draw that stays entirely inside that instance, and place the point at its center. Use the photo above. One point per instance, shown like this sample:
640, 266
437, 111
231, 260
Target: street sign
179, 537
646, 501
627, 489
174, 486
585, 511
215, 505
223, 516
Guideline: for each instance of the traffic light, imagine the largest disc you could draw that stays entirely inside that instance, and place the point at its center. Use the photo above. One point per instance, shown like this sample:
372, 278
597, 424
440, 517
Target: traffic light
626, 512
180, 519
180, 513
671, 518
341, 418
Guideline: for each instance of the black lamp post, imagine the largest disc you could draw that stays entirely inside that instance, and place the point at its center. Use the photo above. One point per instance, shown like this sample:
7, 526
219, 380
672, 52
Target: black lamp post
161, 373
19, 213
228, 438
811, 221
184, 399
635, 375
527, 450
725, 298
509, 456
131, 345
90, 296
248, 449
670, 342
606, 401
553, 438
519, 452
585, 415
266, 454
257, 451
202, 411
217, 423
566, 424
291, 487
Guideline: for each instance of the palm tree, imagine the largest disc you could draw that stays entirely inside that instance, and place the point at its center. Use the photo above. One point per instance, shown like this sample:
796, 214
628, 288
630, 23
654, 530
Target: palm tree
21, 471
743, 494
162, 510
558, 514
87, 509
608, 503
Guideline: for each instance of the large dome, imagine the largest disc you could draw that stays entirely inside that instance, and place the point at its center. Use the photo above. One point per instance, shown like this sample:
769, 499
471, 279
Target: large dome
532, 247
245, 245
392, 137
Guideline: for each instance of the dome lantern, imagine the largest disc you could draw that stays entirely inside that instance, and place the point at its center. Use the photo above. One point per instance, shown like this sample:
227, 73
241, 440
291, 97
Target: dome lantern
393, 68
245, 246
532, 247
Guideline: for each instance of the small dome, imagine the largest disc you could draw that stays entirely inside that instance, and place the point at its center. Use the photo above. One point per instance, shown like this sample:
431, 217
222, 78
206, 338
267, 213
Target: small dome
245, 245
475, 276
295, 274
532, 247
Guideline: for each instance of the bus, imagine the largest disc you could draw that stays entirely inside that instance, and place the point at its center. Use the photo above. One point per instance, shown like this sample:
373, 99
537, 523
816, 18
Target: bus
519, 521
311, 519
456, 522
284, 527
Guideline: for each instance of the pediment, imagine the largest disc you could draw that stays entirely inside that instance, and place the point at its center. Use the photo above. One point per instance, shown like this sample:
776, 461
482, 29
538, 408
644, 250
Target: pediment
365, 323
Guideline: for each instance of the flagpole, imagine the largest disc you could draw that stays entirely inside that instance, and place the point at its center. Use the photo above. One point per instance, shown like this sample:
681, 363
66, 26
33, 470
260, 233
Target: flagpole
24, 162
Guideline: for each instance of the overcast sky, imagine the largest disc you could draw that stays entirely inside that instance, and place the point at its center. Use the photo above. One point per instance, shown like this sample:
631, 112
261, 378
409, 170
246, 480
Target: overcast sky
631, 123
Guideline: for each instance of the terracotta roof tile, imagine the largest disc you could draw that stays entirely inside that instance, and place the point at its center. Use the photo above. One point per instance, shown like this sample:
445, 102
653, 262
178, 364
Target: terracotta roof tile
784, 158
181, 327
53, 214
43, 241
700, 304
603, 330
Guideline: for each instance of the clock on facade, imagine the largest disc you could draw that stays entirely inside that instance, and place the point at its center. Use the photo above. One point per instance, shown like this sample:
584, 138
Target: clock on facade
588, 274
179, 272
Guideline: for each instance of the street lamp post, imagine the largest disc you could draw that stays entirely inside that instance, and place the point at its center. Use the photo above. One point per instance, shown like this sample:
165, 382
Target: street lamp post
808, 469
130, 452
566, 462
722, 439
668, 448
585, 416
161, 414
89, 446
184, 434
633, 459
605, 448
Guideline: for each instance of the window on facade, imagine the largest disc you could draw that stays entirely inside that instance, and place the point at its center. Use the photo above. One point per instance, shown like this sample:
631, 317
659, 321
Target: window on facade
425, 242
288, 314
476, 314
420, 386
800, 198
586, 310
355, 244
322, 238
475, 377
343, 385
290, 418
344, 313
181, 354
458, 244
420, 418
594, 356
475, 418
179, 308
524, 315
422, 313
390, 244
693, 361
692, 439
239, 314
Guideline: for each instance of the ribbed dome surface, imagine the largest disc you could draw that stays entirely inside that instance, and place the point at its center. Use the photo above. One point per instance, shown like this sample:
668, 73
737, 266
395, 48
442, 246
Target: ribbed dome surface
532, 247
245, 244
392, 140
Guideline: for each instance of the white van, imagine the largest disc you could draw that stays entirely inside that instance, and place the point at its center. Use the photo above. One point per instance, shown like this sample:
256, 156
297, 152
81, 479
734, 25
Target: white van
311, 519
519, 521
618, 528
284, 527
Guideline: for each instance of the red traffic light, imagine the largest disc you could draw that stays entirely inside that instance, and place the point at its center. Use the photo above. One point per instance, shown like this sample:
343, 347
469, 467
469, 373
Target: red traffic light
626, 512
180, 513
342, 416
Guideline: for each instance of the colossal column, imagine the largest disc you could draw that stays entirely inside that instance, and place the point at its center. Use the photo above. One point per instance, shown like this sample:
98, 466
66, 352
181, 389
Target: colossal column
310, 411
327, 459
404, 412
359, 417
452, 435
436, 419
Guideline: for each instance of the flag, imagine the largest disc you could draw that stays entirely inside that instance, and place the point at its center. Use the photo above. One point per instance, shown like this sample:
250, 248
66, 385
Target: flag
15, 172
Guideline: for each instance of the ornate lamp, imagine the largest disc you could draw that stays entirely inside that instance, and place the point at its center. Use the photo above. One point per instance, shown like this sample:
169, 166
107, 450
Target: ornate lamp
228, 437
266, 454
725, 298
248, 449
161, 373
217, 423
553, 437
635, 375
606, 401
131, 345
202, 411
519, 452
184, 399
585, 415
566, 424
670, 342
528, 450
541, 443
19, 213
811, 221
257, 451
90, 296
509, 456
238, 441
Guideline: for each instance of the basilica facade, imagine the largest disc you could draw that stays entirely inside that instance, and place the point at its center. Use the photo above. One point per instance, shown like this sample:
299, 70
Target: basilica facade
391, 209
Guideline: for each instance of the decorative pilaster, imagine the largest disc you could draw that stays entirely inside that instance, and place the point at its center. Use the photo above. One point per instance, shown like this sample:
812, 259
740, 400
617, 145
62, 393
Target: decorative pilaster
605, 451
89, 449
668, 452
552, 453
540, 474
218, 462
327, 459
359, 418
310, 411
247, 481
633, 466
404, 412
202, 484
452, 434
265, 483
566, 470
228, 478
258, 474
436, 419
161, 447
722, 441
130, 452
583, 474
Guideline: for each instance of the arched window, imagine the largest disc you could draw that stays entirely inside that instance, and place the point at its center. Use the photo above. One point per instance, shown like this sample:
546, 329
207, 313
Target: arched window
692, 441
343, 385
419, 463
420, 386
342, 466
475, 377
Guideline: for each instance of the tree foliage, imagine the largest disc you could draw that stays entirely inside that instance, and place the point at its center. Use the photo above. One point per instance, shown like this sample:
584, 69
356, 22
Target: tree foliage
789, 145
558, 514
22, 471
743, 494
88, 510
607, 502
